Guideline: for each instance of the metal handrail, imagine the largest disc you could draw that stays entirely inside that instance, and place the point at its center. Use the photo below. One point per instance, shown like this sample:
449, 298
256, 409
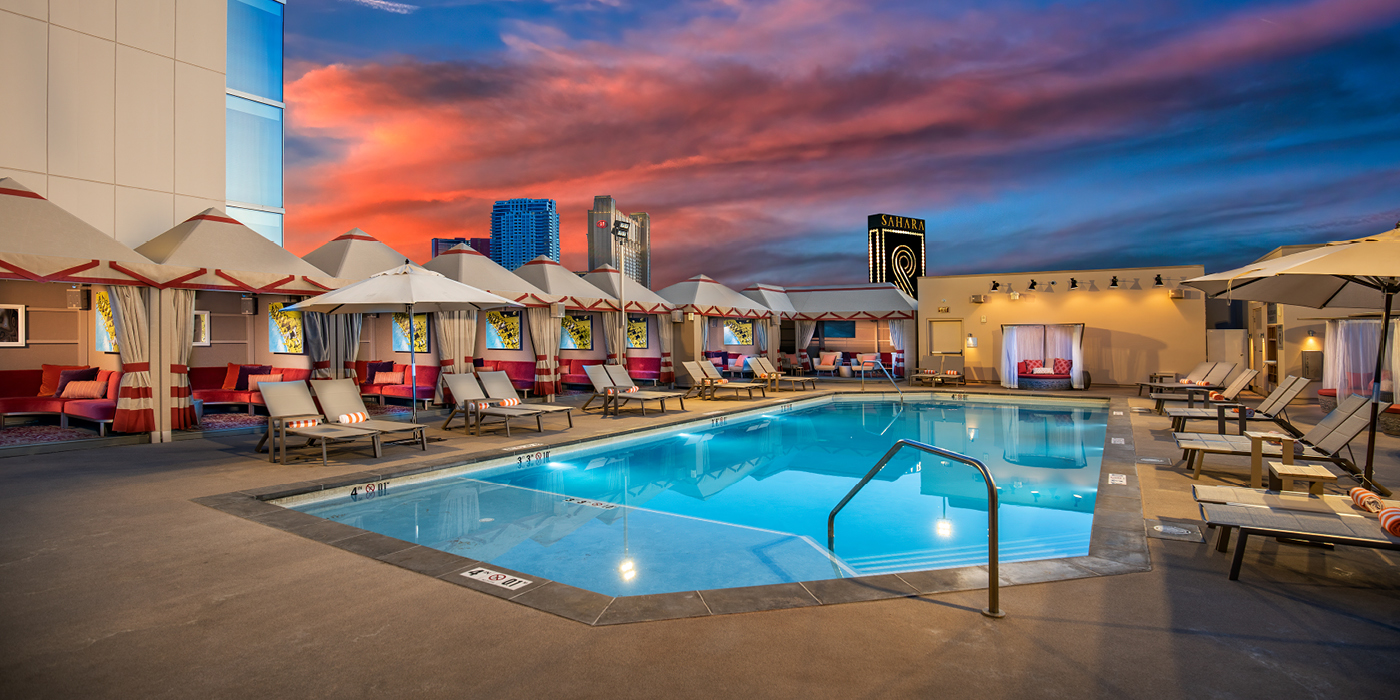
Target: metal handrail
992, 609
888, 376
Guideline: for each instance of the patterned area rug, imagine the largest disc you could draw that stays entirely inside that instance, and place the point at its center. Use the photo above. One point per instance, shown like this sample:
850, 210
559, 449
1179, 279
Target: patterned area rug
234, 421
34, 434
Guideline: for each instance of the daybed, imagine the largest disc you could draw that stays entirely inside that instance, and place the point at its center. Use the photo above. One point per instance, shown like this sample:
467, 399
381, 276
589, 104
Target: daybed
1057, 379
20, 389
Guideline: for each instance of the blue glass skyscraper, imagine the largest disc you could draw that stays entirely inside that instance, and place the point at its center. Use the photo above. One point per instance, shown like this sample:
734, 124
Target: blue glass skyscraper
522, 230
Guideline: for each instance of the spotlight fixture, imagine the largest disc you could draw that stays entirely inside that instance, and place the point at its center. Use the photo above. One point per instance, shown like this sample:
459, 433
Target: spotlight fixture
1158, 282
621, 228
1032, 287
1073, 284
1113, 283
996, 286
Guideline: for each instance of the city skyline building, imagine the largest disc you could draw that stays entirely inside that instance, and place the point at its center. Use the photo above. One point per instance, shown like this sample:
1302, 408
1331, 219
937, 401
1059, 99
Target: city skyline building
480, 245
635, 251
522, 230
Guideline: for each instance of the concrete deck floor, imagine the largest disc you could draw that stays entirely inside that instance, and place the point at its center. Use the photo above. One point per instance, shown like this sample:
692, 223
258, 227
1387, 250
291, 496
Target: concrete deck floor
116, 585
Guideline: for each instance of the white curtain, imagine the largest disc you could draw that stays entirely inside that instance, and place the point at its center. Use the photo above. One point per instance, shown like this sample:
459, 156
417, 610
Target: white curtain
1076, 358
899, 333
760, 336
456, 333
613, 337
545, 331
1349, 356
1031, 342
806, 330
179, 308
714, 326
664, 329
1010, 354
1059, 343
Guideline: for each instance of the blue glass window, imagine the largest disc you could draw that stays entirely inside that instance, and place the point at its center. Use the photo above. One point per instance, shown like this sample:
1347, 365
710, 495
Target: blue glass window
255, 47
267, 223
254, 134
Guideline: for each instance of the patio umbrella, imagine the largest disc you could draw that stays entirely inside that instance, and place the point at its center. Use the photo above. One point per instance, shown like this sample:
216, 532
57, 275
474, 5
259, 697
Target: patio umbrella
1362, 273
405, 288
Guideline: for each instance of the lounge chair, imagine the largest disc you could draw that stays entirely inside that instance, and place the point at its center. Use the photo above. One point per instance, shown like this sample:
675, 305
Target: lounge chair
1191, 377
292, 411
341, 397
700, 384
475, 406
770, 374
498, 386
1273, 408
614, 395
828, 362
1322, 443
1326, 528
713, 375
1230, 392
629, 391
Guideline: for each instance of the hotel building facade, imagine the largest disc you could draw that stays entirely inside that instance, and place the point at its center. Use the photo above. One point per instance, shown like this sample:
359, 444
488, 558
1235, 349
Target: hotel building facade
635, 250
136, 114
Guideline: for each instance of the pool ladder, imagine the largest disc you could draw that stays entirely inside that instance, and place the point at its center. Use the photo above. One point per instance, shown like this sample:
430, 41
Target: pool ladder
993, 608
866, 365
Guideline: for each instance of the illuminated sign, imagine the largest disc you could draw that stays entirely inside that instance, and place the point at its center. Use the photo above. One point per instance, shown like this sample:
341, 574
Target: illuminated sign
896, 251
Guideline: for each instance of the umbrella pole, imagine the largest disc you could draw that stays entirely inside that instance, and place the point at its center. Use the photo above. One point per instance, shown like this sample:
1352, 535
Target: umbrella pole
1376, 391
412, 367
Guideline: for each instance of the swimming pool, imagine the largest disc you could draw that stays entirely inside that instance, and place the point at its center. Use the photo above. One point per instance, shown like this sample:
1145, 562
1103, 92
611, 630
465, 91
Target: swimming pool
742, 500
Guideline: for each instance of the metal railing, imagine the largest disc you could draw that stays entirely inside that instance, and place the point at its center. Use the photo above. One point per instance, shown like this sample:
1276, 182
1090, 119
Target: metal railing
866, 365
993, 608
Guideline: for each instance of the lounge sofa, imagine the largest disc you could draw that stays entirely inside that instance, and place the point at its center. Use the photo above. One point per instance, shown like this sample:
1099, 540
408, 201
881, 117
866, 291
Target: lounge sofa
648, 368
521, 373
424, 389
19, 391
207, 385
570, 372
1057, 379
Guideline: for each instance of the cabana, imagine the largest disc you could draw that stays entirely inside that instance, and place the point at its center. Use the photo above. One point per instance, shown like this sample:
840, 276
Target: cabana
864, 305
1349, 363
716, 314
355, 255
655, 360
245, 280
1042, 356
591, 329
527, 340
776, 299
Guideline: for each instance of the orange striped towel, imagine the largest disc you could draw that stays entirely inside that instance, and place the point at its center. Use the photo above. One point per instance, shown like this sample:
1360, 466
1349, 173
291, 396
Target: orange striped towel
1366, 500
1203, 383
1216, 396
483, 406
308, 423
631, 390
1390, 520
1184, 381
510, 402
356, 417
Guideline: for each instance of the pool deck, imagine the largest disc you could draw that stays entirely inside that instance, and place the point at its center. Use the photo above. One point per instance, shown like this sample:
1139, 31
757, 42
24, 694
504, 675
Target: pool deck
121, 585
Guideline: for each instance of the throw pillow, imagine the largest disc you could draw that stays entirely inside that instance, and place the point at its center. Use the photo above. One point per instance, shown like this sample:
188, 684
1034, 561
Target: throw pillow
85, 390
245, 371
231, 377
75, 375
1062, 365
1033, 364
255, 379
1042, 370
373, 369
388, 378
49, 384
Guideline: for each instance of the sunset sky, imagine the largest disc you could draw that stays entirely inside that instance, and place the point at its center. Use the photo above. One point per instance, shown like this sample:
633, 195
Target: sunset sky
759, 135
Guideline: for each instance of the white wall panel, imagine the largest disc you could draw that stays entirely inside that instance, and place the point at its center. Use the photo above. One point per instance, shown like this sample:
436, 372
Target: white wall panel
186, 206
81, 105
142, 215
23, 92
199, 132
38, 9
201, 32
145, 120
95, 17
148, 25
92, 202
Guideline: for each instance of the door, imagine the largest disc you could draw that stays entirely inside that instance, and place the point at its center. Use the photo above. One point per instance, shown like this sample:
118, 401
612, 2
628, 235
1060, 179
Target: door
945, 347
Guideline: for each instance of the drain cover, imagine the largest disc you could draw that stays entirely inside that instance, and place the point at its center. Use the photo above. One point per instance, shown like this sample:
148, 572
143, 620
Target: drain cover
1181, 532
1152, 460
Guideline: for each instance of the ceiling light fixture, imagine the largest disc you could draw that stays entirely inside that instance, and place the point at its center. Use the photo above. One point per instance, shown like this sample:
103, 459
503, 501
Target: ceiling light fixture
1113, 284
1158, 283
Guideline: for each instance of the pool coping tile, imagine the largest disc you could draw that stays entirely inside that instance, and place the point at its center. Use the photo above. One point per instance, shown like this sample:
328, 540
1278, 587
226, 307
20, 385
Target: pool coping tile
1118, 543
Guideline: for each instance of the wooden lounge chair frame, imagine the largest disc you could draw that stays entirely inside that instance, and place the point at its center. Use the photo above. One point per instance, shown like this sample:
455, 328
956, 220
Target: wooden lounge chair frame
498, 386
1273, 408
466, 392
712, 374
1195, 375
1230, 392
773, 376
1323, 528
291, 401
623, 381
341, 396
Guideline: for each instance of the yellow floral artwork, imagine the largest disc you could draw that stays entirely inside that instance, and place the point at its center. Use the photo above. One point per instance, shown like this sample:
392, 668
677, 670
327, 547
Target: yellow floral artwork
106, 327
420, 333
285, 333
503, 330
578, 333
738, 332
637, 333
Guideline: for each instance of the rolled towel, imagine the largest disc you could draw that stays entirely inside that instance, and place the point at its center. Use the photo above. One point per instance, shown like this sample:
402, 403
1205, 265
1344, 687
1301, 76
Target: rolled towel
1216, 396
308, 423
1248, 412
1390, 520
1366, 500
483, 406
510, 402
632, 389
1203, 383
356, 417
1184, 381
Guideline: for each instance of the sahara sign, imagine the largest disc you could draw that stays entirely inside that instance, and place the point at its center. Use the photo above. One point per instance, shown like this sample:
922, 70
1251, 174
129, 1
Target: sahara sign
896, 252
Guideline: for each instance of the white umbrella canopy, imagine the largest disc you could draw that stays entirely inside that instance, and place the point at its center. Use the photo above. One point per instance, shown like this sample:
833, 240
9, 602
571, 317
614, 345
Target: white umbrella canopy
1361, 273
409, 289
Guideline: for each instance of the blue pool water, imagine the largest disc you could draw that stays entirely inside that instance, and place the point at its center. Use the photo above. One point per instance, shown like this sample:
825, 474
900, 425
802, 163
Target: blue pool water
744, 501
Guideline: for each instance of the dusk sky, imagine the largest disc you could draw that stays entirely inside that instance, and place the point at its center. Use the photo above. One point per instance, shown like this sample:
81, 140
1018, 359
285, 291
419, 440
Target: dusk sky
759, 135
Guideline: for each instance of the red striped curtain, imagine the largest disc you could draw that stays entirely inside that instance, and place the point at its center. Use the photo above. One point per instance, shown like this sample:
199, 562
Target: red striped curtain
136, 405
178, 306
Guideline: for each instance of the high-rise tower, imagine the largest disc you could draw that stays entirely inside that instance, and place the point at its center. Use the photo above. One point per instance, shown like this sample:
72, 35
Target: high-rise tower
522, 230
635, 250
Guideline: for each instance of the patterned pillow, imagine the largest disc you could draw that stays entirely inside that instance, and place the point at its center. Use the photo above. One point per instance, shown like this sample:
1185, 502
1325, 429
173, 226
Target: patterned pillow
1042, 370
255, 379
85, 390
388, 378
510, 402
1033, 364
1062, 365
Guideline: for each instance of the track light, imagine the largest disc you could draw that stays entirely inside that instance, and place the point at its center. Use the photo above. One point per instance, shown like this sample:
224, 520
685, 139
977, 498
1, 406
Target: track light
1032, 287
1073, 284
1113, 284
1158, 283
996, 286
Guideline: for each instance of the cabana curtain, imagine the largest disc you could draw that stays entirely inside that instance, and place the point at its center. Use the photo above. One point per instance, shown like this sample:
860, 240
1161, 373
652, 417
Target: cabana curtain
1010, 355
319, 337
760, 336
1046, 343
179, 308
898, 335
1076, 358
456, 332
545, 332
664, 329
347, 328
806, 330
136, 406
713, 326
1349, 356
612, 334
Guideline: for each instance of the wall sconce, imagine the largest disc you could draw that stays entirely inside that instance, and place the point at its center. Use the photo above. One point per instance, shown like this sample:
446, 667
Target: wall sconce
1113, 284
1312, 333
972, 342
1073, 284
690, 315
1032, 287
996, 286
1015, 295
1158, 282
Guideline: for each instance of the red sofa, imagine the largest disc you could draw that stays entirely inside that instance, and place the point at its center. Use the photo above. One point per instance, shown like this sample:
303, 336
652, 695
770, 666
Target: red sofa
522, 374
207, 385
18, 396
424, 390
1024, 369
648, 368
571, 371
